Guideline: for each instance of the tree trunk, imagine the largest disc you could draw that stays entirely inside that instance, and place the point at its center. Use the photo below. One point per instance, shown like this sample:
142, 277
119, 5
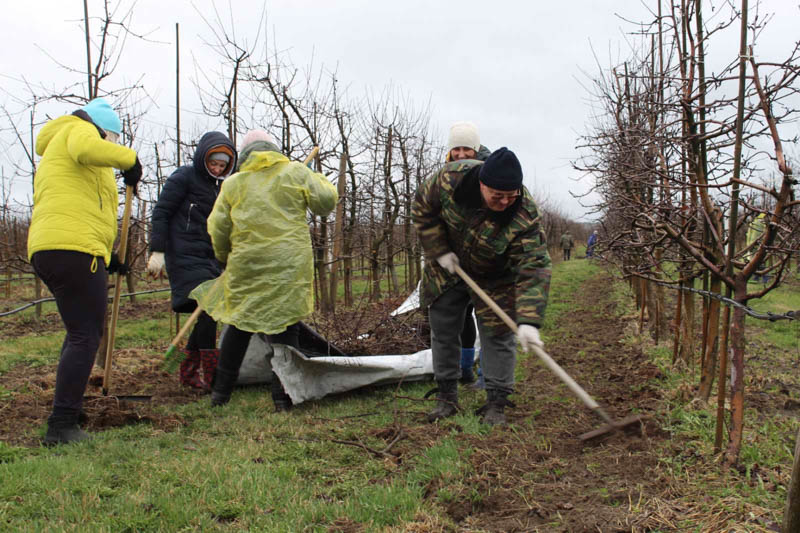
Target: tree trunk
709, 365
676, 331
723, 378
737, 374
337, 234
643, 301
688, 326
791, 515
322, 268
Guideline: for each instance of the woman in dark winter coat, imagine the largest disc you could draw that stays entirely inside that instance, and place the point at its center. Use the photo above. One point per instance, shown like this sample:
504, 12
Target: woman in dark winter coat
180, 240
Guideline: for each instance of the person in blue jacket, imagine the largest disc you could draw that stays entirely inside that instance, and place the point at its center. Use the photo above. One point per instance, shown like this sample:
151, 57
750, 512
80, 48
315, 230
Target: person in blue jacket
179, 240
591, 244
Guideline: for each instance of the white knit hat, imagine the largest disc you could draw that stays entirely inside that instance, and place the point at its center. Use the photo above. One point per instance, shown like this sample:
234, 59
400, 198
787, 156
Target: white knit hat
464, 134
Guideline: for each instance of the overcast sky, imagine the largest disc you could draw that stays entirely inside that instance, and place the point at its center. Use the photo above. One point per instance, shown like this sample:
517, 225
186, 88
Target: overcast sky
516, 69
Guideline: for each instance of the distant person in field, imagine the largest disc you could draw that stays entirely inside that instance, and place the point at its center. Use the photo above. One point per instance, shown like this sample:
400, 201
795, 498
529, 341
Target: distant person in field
566, 245
70, 239
479, 215
464, 143
259, 230
591, 244
179, 240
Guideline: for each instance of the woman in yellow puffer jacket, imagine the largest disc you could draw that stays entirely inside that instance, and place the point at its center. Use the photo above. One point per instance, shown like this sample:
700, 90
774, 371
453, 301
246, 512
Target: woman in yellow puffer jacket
72, 231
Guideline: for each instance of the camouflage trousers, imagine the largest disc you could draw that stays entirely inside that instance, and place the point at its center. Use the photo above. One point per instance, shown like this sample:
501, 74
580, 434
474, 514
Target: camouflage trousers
499, 355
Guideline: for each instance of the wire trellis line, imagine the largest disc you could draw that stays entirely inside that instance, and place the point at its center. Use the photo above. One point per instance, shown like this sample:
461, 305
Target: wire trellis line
42, 300
768, 315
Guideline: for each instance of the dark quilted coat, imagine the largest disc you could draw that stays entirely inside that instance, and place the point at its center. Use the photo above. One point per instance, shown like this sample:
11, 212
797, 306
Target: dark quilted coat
179, 223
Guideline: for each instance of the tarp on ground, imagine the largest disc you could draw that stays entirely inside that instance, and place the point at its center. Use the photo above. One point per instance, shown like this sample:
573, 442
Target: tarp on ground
318, 368
308, 376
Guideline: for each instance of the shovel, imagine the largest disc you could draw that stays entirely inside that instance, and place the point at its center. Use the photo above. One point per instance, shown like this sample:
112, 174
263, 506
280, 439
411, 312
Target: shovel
610, 424
112, 330
172, 358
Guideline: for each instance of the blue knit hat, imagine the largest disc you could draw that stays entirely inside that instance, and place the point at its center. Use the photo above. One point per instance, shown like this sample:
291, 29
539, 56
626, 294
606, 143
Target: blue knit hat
103, 115
502, 171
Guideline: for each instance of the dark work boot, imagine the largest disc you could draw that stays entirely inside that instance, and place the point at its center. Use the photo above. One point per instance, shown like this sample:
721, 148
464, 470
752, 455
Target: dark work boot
446, 400
64, 429
224, 381
467, 362
493, 413
281, 400
209, 360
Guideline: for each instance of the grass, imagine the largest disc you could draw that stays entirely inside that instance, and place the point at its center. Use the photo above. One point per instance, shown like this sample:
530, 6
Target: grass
243, 468
234, 467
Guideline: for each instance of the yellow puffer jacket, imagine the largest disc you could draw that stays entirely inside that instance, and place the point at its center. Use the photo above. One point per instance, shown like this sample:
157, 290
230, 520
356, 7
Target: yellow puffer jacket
75, 199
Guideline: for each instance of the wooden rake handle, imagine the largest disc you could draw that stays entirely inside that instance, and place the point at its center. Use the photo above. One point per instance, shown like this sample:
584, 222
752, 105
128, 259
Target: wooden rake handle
548, 361
123, 248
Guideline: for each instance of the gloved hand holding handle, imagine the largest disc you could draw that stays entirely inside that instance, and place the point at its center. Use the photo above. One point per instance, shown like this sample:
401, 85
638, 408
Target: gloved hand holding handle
132, 176
155, 266
115, 266
529, 337
448, 262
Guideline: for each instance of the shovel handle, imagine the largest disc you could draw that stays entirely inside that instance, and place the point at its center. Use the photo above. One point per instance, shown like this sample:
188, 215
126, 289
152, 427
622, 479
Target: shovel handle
546, 359
123, 249
188, 324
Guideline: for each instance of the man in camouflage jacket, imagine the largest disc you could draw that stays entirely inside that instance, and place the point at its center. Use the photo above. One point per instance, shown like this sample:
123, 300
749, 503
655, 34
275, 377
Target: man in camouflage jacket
479, 216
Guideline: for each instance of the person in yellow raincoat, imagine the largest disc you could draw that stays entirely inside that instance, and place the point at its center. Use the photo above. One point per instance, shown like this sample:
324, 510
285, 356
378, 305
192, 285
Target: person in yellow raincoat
259, 231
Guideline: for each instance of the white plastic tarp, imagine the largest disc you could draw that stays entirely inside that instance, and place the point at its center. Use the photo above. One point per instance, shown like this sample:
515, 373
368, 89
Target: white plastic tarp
311, 378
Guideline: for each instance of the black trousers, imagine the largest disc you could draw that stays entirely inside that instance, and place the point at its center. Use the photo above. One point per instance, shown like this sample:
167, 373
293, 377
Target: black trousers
78, 282
235, 342
204, 334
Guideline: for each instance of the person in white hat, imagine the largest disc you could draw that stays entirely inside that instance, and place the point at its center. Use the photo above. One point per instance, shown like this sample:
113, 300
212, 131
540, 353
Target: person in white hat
464, 142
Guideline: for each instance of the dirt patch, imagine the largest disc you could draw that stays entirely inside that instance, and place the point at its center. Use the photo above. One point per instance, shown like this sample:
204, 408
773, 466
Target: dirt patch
540, 476
136, 372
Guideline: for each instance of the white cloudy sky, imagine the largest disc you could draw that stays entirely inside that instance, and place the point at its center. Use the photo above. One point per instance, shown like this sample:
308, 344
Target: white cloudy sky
515, 68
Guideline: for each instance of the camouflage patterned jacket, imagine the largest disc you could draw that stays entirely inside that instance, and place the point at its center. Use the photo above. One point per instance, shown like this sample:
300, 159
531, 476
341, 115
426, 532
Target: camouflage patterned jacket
504, 252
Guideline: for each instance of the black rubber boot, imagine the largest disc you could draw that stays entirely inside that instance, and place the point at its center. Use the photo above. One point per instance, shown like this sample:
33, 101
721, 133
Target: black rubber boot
447, 400
281, 400
221, 390
493, 413
64, 429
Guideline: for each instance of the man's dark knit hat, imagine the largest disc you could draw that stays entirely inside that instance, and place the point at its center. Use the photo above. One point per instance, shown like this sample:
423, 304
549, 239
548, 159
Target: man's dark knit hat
502, 171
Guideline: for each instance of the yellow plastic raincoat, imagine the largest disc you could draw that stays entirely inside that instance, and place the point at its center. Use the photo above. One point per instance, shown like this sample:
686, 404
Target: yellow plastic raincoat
259, 230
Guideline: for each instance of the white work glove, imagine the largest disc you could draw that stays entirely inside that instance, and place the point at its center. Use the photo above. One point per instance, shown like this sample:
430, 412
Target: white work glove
155, 266
448, 262
529, 337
